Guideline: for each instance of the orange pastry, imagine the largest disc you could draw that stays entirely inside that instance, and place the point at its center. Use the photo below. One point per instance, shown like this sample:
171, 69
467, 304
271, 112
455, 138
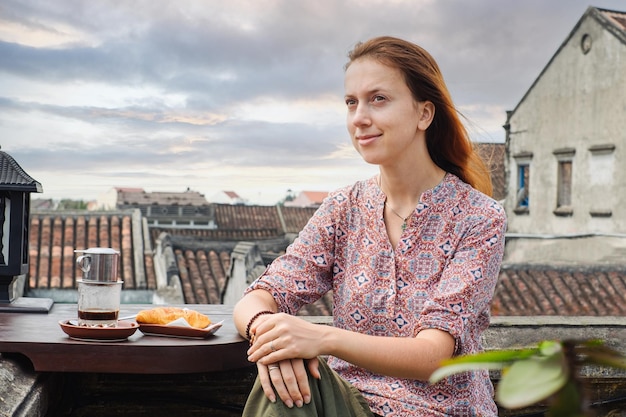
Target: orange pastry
166, 315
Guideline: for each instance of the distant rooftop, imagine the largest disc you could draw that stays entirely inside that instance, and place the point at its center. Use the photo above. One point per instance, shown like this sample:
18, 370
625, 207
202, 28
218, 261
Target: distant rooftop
138, 196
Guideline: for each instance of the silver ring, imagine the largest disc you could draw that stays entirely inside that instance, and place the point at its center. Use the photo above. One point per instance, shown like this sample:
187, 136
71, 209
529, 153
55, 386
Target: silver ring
272, 367
272, 346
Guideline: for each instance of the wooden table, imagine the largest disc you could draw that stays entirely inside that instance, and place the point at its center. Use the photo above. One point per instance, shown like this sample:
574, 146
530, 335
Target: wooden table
40, 338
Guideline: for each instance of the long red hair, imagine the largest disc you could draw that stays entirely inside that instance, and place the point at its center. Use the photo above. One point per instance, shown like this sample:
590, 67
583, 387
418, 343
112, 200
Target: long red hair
447, 139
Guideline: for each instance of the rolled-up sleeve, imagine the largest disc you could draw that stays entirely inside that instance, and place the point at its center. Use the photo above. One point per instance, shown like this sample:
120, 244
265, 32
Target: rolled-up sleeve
460, 304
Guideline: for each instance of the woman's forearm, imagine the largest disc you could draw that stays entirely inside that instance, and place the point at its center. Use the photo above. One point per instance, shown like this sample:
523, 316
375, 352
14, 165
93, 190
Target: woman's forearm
402, 357
250, 305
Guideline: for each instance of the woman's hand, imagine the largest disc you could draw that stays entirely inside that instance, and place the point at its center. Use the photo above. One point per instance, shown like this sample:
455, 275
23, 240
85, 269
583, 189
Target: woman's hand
281, 336
280, 345
289, 379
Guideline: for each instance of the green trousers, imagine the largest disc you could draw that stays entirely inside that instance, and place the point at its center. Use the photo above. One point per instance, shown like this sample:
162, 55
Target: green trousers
331, 396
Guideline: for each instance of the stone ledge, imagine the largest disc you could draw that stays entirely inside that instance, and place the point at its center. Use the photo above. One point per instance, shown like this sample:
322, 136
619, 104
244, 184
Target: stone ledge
23, 393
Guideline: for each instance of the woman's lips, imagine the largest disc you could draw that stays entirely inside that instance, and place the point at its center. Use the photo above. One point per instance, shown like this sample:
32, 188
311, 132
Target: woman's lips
365, 140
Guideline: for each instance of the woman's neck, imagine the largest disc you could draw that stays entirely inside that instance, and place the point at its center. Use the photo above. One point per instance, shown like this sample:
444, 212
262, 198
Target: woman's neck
403, 188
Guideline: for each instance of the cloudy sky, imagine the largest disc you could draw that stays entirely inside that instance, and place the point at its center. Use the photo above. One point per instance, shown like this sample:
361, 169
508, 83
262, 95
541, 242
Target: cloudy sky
241, 95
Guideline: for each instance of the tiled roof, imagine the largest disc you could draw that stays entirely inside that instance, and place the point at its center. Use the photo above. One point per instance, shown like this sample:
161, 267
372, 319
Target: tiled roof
560, 291
203, 255
245, 223
315, 197
308, 199
54, 236
203, 265
241, 218
203, 274
493, 154
296, 217
202, 261
233, 235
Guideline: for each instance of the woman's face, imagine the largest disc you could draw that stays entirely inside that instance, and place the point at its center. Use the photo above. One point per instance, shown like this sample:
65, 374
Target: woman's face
384, 120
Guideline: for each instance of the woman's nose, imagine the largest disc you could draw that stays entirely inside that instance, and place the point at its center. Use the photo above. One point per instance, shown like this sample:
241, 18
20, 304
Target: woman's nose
361, 116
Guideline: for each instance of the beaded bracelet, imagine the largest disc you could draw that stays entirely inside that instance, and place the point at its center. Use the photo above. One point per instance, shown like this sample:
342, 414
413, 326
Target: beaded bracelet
256, 316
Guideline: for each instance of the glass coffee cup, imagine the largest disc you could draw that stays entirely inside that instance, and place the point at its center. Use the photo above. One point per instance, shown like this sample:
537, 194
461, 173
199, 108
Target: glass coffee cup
98, 303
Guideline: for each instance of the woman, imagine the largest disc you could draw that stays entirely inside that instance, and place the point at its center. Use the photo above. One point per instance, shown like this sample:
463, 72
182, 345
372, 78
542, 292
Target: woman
411, 256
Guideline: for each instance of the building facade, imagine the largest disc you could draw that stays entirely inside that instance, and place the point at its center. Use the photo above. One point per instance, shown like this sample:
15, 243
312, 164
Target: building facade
566, 149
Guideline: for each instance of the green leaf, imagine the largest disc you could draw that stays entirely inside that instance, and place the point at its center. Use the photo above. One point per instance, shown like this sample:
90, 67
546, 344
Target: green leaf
550, 347
531, 380
446, 371
495, 356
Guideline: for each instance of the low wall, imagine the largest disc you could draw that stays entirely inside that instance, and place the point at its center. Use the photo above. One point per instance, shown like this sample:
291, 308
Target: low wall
26, 393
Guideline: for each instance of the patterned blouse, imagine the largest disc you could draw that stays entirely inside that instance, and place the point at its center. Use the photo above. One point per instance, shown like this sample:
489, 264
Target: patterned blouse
441, 275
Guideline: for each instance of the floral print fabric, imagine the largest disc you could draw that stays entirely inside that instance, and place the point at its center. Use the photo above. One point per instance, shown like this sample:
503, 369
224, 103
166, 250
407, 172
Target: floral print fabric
441, 275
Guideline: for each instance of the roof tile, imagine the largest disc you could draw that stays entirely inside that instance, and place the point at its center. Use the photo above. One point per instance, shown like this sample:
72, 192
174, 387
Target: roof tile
203, 261
55, 235
565, 291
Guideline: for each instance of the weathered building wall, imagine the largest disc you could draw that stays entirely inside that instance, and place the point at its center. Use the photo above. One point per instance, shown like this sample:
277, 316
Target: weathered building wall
577, 102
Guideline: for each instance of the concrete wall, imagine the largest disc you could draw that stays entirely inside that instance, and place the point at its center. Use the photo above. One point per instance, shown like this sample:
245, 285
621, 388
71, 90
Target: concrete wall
565, 250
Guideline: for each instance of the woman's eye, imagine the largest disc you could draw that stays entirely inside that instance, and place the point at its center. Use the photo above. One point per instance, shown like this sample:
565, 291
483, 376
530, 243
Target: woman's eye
350, 102
378, 99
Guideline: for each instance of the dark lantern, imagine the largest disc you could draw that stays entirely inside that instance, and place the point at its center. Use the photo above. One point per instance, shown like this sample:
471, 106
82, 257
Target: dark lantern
15, 188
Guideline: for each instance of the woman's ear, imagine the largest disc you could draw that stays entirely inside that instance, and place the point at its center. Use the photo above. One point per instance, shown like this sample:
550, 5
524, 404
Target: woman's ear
426, 113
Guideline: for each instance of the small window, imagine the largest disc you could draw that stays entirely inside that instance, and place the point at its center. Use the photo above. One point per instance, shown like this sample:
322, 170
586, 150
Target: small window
585, 43
564, 188
522, 190
565, 158
523, 184
565, 184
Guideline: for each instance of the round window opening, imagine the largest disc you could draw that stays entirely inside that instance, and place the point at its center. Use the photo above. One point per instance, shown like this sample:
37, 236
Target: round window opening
585, 43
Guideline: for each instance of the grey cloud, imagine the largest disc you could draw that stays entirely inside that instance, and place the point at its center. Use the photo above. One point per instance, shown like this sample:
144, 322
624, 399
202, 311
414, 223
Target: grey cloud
220, 55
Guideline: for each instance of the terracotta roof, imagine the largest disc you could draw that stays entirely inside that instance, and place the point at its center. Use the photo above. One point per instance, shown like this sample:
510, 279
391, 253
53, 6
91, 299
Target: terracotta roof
203, 274
230, 217
55, 235
493, 154
203, 265
231, 194
296, 217
203, 268
315, 197
243, 223
308, 199
202, 261
560, 291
